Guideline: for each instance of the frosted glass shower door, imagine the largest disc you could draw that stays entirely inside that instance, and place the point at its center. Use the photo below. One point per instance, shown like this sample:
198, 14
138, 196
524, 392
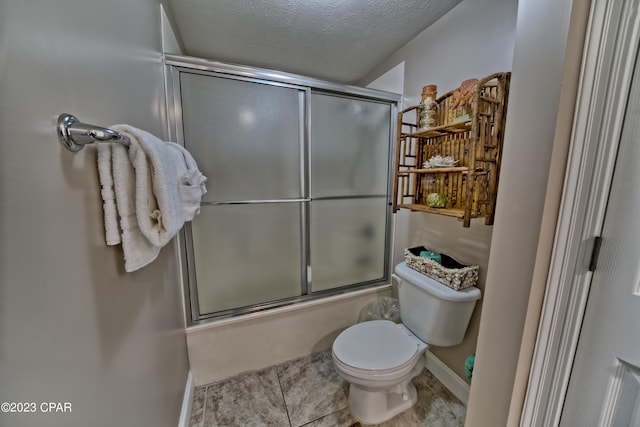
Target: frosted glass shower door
248, 138
350, 146
246, 254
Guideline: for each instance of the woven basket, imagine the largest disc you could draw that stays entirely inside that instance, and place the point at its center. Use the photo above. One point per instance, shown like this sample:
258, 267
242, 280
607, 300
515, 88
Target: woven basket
450, 273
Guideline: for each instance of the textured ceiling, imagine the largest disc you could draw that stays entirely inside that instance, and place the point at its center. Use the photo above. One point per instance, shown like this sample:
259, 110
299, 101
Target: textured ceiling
335, 40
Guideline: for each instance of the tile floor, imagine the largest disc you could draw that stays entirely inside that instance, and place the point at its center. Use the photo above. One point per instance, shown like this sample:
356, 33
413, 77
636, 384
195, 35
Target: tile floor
308, 392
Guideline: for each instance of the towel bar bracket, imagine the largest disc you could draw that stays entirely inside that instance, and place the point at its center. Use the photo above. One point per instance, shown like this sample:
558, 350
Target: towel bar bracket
74, 135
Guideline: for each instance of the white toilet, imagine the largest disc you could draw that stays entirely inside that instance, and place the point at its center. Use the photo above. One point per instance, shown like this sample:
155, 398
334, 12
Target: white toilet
380, 358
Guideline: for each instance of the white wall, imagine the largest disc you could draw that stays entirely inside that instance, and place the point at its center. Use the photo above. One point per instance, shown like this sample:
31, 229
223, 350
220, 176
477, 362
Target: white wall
474, 39
73, 326
391, 81
170, 43
539, 79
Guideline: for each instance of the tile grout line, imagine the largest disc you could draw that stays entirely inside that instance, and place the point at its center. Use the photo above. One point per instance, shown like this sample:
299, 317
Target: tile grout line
286, 408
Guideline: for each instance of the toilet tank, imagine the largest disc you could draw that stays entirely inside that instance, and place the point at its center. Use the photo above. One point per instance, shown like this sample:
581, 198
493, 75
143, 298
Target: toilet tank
435, 313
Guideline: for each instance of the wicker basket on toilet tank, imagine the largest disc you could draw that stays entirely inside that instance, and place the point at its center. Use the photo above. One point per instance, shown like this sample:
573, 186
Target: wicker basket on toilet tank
450, 272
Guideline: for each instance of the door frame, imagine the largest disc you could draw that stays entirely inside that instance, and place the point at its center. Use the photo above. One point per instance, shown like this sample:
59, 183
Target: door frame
609, 55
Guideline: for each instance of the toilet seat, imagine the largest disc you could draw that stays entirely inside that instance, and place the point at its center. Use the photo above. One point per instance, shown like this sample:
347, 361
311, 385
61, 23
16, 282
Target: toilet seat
377, 347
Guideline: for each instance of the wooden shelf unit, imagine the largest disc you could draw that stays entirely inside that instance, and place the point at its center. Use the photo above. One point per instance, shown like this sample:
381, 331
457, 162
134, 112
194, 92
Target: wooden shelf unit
470, 186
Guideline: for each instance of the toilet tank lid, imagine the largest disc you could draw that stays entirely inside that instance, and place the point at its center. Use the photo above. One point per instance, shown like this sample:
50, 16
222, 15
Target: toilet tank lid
436, 288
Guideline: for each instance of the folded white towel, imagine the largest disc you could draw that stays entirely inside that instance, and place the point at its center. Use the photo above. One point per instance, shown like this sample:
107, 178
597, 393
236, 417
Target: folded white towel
112, 232
191, 190
168, 184
138, 250
149, 189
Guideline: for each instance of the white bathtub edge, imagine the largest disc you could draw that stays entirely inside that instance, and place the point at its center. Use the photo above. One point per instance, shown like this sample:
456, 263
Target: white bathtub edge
285, 309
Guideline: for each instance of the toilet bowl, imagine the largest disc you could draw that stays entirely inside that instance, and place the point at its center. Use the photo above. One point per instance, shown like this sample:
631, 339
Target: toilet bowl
379, 358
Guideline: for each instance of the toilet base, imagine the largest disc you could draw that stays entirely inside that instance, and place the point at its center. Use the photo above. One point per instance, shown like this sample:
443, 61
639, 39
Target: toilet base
377, 406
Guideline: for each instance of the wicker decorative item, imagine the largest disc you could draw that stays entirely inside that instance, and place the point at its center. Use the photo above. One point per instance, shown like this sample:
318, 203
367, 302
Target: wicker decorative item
469, 129
450, 272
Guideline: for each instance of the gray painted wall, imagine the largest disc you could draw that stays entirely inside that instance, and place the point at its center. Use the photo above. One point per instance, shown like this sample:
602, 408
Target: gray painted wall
540, 59
73, 326
539, 46
474, 39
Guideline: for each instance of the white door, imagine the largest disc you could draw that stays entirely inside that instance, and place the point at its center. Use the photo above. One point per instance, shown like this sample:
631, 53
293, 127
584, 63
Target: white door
604, 387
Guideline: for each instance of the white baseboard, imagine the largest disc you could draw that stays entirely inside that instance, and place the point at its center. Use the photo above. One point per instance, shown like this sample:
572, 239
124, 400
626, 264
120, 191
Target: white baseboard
448, 378
187, 401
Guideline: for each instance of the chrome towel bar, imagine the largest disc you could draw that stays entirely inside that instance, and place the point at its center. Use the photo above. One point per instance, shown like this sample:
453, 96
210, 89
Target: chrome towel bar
74, 134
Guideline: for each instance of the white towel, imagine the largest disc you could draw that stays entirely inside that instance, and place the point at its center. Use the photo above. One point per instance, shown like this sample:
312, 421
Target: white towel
117, 179
149, 189
112, 232
138, 250
168, 185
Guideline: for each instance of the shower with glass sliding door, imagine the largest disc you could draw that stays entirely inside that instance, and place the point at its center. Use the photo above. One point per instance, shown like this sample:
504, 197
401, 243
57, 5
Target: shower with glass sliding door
298, 202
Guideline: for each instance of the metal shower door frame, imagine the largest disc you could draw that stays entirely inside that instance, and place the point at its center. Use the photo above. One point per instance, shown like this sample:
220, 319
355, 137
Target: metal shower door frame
175, 65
